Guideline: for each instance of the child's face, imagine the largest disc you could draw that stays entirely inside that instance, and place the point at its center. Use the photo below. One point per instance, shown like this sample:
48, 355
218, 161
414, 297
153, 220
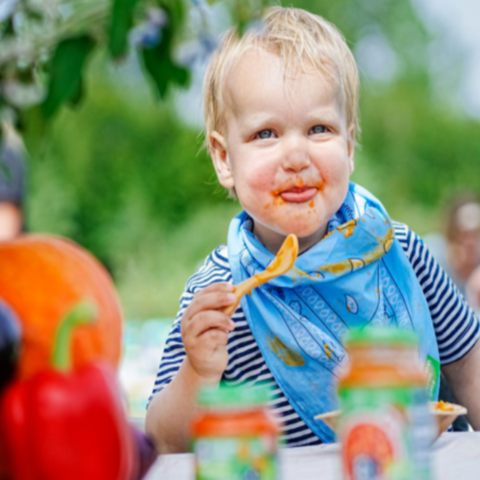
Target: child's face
286, 150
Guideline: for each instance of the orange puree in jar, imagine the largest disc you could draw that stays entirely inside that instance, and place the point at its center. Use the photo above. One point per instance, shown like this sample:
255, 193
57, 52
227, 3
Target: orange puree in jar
228, 423
235, 436
388, 366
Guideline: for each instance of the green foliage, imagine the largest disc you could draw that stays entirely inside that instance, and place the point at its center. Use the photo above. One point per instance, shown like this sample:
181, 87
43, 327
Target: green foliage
159, 63
420, 152
123, 177
116, 157
46, 48
121, 23
154, 265
66, 73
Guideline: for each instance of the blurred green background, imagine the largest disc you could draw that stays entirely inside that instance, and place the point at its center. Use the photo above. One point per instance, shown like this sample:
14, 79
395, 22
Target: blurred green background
126, 176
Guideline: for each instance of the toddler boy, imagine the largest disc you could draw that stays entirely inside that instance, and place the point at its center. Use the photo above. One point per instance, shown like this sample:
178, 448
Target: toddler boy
281, 120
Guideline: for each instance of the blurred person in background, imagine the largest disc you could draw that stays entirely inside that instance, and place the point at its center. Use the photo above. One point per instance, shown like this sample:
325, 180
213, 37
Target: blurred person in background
12, 178
472, 290
458, 251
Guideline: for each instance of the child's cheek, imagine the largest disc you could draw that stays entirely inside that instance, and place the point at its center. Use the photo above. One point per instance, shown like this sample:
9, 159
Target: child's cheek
261, 177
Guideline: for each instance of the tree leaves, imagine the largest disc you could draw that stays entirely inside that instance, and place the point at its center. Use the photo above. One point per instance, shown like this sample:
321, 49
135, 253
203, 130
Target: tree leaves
63, 39
122, 20
163, 71
66, 75
158, 60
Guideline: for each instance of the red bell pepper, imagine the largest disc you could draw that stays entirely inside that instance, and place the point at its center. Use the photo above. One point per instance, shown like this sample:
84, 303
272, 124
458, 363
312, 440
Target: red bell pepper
67, 425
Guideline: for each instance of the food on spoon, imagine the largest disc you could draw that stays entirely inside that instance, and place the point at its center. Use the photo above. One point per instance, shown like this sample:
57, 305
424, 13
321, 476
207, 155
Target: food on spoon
442, 406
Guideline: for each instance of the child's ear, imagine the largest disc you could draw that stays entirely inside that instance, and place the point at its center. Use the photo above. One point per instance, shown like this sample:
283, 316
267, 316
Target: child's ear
351, 147
218, 152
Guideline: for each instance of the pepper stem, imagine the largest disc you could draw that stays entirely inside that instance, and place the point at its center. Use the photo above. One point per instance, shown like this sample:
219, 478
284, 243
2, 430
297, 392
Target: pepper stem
83, 313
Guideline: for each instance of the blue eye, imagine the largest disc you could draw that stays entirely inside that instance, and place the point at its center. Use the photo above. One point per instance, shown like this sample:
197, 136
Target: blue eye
318, 129
264, 134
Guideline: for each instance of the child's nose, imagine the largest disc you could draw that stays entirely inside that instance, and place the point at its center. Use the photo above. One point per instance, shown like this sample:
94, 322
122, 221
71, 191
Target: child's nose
296, 157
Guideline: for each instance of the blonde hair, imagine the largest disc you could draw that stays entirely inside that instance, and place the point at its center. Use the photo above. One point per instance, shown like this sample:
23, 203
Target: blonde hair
300, 39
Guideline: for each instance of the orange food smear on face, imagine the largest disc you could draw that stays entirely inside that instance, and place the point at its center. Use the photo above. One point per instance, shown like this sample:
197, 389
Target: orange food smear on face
267, 206
311, 204
278, 200
298, 183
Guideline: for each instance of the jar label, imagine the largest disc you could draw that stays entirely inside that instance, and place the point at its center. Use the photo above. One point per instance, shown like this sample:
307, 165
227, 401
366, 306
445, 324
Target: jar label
239, 458
386, 434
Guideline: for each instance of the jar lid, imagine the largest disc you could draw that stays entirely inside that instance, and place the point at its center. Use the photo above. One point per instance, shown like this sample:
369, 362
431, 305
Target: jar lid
381, 336
237, 397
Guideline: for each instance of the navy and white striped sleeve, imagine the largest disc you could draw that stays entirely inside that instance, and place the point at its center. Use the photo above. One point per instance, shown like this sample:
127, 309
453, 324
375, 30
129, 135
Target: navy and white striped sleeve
456, 327
214, 270
174, 351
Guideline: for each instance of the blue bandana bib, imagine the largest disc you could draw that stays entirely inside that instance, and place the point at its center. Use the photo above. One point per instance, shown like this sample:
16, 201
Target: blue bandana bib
357, 275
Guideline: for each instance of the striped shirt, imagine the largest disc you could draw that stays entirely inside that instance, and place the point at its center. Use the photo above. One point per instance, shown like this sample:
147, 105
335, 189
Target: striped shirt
456, 329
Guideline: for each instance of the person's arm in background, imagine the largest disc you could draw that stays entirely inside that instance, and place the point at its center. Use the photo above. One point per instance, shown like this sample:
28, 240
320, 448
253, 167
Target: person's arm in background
464, 378
10, 221
204, 331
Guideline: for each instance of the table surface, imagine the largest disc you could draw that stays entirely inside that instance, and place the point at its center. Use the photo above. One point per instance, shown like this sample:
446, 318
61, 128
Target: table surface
456, 456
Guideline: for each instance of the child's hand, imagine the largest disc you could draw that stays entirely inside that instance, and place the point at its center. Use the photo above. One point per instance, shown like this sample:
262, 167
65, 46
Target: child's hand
205, 330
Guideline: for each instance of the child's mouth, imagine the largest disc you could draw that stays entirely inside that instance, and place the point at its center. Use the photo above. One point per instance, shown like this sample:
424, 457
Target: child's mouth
299, 194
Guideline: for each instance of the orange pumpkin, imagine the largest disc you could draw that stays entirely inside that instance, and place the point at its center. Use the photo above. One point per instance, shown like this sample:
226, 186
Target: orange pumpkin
42, 278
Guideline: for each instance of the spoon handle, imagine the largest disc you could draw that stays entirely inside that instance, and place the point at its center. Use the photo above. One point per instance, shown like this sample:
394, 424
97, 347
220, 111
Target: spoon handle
283, 261
242, 289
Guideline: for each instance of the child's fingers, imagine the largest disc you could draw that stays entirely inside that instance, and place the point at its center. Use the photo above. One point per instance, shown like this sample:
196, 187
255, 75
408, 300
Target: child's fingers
218, 287
208, 300
216, 337
206, 320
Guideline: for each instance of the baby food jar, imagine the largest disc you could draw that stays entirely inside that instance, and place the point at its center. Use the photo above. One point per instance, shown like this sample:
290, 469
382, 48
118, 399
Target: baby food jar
385, 427
235, 436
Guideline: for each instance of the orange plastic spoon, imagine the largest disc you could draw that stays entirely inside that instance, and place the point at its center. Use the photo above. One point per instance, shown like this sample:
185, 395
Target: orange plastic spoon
281, 264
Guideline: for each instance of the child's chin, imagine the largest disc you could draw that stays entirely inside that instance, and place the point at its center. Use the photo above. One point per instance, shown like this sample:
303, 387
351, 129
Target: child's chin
314, 233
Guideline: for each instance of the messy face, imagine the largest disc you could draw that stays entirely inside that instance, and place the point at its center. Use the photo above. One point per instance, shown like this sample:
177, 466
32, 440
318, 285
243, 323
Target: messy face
286, 149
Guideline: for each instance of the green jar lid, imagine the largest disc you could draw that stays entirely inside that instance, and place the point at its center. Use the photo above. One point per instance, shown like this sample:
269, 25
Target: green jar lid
381, 336
234, 397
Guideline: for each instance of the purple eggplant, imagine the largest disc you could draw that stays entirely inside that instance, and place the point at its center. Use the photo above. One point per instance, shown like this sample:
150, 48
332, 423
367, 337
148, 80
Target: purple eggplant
146, 453
9, 344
